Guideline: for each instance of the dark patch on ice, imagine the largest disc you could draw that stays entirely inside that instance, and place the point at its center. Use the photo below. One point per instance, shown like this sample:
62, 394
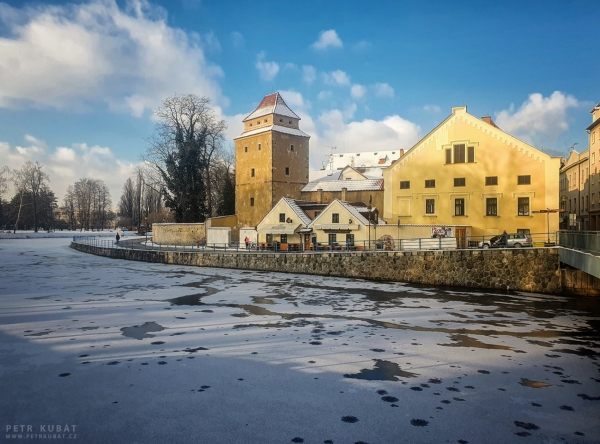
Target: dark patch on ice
580, 434
435, 381
483, 372
142, 331
350, 419
194, 350
62, 375
419, 422
452, 389
297, 439
382, 392
89, 328
445, 401
157, 342
383, 371
570, 381
389, 399
178, 333
567, 407
535, 404
113, 363
83, 356
589, 398
193, 299
458, 399
417, 389
41, 333
162, 362
210, 311
526, 425
315, 342
523, 434
377, 350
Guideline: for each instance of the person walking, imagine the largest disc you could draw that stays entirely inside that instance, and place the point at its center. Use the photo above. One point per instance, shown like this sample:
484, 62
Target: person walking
247, 242
504, 240
118, 238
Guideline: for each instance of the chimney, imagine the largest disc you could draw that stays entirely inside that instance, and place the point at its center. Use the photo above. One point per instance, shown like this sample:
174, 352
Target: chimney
401, 152
488, 119
320, 195
344, 190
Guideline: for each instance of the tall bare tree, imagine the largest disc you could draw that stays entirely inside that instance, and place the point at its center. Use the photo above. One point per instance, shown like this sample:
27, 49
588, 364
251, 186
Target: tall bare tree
32, 180
69, 205
180, 154
4, 181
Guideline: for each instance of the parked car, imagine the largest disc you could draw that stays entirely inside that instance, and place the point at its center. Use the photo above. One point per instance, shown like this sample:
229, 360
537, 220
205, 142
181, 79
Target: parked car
517, 240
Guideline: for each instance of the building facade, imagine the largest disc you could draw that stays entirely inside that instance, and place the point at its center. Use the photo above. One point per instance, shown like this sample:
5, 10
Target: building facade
271, 160
594, 162
468, 172
574, 186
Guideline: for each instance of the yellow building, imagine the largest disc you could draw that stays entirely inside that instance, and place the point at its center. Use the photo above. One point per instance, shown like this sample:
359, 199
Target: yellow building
574, 191
468, 172
271, 160
594, 162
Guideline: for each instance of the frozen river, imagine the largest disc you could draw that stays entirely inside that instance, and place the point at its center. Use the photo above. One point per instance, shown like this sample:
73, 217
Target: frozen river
132, 352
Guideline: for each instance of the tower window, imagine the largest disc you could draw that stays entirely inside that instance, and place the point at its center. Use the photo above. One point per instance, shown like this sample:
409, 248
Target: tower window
281, 120
252, 172
259, 147
245, 149
287, 171
290, 122
291, 147
251, 201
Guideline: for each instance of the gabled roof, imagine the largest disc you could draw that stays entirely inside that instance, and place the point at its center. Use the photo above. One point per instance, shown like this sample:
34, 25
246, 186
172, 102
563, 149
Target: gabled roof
356, 209
350, 185
295, 206
272, 104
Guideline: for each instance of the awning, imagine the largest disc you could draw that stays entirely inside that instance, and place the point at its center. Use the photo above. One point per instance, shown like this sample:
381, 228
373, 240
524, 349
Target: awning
305, 230
279, 228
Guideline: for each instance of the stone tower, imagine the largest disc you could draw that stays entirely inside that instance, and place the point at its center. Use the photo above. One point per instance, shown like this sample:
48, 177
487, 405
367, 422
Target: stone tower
271, 160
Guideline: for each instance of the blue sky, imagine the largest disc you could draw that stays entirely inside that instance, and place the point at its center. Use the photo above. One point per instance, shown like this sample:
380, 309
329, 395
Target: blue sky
79, 80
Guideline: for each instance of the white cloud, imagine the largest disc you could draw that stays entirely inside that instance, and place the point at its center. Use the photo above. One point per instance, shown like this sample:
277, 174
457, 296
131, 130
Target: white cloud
266, 70
336, 78
294, 100
393, 132
66, 165
324, 95
237, 40
384, 90
357, 91
327, 39
363, 45
538, 115
290, 65
433, 109
309, 74
74, 56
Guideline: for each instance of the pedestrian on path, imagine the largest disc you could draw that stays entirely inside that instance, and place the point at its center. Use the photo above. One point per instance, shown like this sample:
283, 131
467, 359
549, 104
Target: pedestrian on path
118, 238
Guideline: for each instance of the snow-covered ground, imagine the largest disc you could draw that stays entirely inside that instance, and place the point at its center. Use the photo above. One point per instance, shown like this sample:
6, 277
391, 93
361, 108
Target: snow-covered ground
42, 234
132, 352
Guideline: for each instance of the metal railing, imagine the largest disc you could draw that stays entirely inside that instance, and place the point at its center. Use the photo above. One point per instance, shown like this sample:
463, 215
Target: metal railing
580, 240
535, 240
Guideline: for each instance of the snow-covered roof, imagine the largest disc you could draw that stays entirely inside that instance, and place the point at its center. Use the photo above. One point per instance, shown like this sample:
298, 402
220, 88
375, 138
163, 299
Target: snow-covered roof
379, 159
299, 211
276, 128
350, 185
272, 104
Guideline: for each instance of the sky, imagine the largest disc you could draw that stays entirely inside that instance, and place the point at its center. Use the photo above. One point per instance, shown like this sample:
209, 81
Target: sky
79, 80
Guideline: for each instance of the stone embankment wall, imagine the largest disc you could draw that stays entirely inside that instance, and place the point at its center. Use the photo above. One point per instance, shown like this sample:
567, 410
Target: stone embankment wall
178, 234
533, 269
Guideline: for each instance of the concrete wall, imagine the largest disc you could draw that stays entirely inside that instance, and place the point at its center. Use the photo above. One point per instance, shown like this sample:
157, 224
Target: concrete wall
226, 221
178, 233
532, 270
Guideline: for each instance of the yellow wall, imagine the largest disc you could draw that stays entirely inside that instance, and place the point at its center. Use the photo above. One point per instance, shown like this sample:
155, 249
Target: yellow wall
325, 218
496, 154
272, 218
177, 234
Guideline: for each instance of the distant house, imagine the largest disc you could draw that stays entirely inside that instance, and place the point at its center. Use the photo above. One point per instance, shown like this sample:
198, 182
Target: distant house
349, 185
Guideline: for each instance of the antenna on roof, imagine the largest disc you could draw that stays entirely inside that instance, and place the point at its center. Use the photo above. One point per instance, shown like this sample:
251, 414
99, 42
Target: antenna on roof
330, 163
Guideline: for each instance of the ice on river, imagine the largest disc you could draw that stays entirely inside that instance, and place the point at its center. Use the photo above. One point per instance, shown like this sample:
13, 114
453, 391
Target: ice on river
138, 352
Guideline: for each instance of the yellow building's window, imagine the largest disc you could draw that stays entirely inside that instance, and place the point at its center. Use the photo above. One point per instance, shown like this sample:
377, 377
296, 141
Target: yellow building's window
448, 156
459, 153
251, 201
429, 206
460, 182
291, 147
405, 184
281, 217
491, 180
523, 206
491, 206
430, 183
524, 180
259, 147
459, 207
335, 218
471, 154
245, 149
287, 171
252, 172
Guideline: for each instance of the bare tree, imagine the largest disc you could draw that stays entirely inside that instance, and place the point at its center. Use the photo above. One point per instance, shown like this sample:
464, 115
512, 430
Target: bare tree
4, 181
180, 154
69, 205
31, 179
